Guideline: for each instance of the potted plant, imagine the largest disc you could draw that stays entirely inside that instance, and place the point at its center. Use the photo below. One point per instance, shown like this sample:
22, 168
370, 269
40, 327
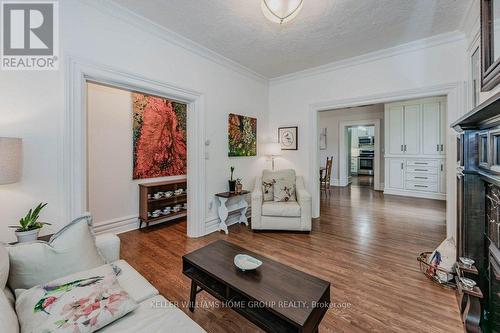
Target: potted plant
29, 226
239, 186
232, 183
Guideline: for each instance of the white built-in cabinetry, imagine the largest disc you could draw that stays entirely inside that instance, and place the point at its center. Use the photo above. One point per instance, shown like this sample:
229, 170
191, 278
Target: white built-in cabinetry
415, 155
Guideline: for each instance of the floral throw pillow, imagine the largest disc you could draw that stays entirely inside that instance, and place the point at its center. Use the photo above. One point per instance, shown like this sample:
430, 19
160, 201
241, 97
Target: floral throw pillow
80, 303
284, 191
267, 189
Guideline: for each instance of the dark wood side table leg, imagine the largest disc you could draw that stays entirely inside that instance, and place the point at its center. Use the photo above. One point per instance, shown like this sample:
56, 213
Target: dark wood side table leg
192, 296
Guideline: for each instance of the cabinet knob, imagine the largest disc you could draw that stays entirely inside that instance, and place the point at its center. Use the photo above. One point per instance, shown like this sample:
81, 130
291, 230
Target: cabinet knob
402, 165
401, 147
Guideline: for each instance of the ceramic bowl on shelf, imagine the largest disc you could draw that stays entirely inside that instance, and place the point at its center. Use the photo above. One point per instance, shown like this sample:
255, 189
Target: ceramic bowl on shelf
168, 194
158, 195
467, 262
246, 262
179, 191
468, 283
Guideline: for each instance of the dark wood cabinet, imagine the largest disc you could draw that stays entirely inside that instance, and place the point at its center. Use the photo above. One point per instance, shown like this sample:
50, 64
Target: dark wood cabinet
153, 197
478, 205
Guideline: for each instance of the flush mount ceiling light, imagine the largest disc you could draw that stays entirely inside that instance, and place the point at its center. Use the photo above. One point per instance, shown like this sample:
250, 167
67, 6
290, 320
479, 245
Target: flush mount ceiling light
281, 11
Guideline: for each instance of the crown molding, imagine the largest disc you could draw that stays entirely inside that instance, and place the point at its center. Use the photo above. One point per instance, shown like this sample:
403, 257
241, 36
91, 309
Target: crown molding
113, 9
436, 40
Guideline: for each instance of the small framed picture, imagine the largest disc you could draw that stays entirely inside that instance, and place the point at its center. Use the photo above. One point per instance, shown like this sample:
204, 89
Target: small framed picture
288, 138
322, 139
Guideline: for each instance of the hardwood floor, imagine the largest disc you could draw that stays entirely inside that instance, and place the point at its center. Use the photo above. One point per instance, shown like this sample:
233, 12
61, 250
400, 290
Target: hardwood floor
365, 244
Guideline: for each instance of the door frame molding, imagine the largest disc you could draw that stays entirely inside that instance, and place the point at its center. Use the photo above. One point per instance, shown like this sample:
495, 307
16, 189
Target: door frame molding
343, 151
78, 73
455, 93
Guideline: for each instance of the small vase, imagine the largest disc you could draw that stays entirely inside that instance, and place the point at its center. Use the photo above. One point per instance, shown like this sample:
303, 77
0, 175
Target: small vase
27, 236
232, 185
239, 188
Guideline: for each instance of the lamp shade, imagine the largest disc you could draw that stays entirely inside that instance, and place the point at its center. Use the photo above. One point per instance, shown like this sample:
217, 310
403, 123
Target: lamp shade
272, 149
10, 160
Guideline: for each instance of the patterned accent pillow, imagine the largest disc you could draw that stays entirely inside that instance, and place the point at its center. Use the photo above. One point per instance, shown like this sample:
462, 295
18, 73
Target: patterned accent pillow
83, 302
267, 189
284, 191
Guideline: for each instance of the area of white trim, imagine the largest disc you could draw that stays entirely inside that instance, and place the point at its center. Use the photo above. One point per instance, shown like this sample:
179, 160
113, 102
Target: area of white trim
212, 225
436, 40
343, 152
77, 73
114, 9
437, 196
339, 182
456, 95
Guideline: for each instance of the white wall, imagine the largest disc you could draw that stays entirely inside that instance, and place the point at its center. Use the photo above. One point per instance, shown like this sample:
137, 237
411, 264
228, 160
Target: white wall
33, 106
331, 120
112, 193
406, 70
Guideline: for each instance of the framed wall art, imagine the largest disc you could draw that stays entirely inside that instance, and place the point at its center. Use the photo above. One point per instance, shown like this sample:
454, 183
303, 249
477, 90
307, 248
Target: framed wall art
159, 137
242, 135
288, 138
322, 139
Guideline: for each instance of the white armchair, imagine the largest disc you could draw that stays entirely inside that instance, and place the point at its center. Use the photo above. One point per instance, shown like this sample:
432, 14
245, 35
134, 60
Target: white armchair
291, 215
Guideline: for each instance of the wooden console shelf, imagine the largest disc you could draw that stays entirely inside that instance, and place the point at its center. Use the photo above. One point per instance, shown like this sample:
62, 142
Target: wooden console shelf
148, 203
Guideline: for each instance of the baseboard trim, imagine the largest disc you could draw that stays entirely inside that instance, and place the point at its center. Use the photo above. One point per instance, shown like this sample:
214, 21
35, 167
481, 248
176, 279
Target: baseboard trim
212, 225
129, 223
339, 182
426, 195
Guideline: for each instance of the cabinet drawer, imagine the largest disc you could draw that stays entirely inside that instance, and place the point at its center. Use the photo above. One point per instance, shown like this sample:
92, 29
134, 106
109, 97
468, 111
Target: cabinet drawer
422, 177
422, 169
424, 187
424, 163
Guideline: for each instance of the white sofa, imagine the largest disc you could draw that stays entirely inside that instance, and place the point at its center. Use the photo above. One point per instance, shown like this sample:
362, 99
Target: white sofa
154, 314
271, 215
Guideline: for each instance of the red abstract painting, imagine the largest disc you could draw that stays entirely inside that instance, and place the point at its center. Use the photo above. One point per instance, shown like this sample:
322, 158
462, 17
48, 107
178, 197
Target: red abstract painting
159, 137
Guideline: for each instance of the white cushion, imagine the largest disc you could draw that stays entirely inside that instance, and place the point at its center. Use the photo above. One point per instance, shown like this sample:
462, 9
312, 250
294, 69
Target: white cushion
4, 266
8, 316
134, 283
109, 246
155, 315
272, 208
270, 177
82, 302
70, 250
284, 191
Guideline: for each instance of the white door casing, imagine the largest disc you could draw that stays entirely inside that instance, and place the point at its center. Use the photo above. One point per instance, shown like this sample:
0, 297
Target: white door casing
74, 152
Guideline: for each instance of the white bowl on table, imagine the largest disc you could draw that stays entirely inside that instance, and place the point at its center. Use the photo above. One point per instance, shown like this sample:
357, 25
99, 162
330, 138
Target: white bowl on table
246, 262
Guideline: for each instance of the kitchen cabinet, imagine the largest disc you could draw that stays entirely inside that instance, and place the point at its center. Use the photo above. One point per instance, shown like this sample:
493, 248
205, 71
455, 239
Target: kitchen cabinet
433, 128
395, 173
412, 127
415, 134
394, 129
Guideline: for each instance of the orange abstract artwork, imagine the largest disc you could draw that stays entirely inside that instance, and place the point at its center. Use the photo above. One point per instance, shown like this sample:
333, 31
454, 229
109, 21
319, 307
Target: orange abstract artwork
159, 137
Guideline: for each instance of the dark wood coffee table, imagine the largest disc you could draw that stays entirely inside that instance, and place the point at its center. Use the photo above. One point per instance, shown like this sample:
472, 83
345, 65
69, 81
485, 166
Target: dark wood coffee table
275, 297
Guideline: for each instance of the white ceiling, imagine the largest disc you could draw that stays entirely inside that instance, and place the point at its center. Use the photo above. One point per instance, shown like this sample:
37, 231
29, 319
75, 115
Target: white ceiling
324, 31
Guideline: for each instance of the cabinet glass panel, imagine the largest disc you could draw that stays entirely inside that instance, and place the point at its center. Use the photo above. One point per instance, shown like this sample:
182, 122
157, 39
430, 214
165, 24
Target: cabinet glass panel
483, 150
495, 150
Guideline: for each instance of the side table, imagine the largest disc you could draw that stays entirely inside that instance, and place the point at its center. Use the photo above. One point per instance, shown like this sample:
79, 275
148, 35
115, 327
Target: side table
239, 204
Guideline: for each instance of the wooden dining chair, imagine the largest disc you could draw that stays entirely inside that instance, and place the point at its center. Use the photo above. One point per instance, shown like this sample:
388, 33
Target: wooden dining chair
325, 176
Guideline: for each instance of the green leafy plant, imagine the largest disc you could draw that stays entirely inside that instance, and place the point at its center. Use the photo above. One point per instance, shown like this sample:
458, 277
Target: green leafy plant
232, 170
30, 221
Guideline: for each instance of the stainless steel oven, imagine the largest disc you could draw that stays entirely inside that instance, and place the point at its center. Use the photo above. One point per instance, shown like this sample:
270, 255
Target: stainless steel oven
365, 162
364, 141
